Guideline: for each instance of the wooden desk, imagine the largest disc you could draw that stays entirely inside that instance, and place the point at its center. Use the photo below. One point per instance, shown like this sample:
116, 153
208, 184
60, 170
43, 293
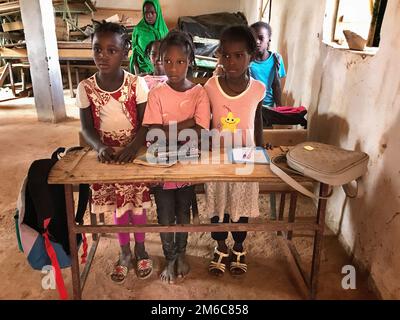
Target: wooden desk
83, 167
81, 54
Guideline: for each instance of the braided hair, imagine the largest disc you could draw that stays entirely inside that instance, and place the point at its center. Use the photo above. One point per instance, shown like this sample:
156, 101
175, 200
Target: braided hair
104, 27
180, 39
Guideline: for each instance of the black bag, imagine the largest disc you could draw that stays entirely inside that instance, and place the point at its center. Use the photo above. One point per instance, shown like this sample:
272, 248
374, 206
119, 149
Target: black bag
41, 219
280, 116
209, 26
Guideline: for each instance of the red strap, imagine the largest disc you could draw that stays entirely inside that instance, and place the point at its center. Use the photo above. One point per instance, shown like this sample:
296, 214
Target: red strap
85, 247
54, 262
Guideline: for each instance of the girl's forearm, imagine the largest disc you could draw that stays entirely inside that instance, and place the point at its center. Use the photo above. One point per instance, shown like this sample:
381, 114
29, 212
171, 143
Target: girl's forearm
140, 139
198, 129
258, 127
92, 138
88, 130
259, 138
277, 92
186, 124
278, 99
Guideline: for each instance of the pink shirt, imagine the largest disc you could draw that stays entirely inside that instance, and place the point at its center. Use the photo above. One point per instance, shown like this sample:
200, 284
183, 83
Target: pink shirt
233, 113
164, 104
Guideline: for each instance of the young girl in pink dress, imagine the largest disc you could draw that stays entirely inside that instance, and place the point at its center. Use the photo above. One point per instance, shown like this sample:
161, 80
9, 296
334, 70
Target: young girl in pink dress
234, 96
112, 104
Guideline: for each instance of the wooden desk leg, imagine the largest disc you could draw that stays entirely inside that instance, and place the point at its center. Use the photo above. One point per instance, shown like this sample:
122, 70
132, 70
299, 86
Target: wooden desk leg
281, 210
23, 79
10, 70
93, 221
318, 237
73, 245
195, 210
292, 212
102, 221
71, 89
272, 205
77, 76
282, 206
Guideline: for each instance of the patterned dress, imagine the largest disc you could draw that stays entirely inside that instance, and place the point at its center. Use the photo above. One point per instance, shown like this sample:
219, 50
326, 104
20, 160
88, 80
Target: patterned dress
238, 199
115, 119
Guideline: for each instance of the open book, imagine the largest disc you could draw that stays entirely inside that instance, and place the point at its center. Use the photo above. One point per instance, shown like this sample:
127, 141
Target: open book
257, 155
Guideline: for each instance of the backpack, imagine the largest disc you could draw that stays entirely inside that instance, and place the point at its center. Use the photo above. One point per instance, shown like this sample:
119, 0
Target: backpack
41, 219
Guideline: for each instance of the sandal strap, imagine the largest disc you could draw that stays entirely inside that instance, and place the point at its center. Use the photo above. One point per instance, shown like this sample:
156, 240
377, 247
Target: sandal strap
215, 265
120, 269
218, 264
238, 255
238, 265
221, 255
144, 264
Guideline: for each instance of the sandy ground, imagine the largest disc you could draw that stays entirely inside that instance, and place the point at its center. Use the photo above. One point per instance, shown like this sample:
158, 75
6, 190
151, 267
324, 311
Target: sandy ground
271, 274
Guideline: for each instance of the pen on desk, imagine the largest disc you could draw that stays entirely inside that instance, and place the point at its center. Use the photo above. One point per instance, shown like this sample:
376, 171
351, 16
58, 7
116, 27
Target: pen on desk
249, 154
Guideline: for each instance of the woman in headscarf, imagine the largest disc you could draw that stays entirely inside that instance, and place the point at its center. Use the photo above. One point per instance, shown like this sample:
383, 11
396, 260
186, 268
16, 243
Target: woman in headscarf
151, 27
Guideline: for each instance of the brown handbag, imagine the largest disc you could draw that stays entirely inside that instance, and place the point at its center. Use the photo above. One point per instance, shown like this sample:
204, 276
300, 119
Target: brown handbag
324, 163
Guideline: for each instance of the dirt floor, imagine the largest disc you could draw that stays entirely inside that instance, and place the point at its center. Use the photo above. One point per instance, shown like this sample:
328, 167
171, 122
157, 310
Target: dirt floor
271, 274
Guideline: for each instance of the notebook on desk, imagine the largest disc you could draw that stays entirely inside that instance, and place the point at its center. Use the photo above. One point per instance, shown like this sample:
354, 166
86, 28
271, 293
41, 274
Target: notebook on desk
256, 155
167, 158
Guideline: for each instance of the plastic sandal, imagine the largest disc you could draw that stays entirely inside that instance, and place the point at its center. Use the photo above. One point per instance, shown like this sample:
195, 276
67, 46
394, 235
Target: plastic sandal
144, 268
238, 267
218, 265
119, 273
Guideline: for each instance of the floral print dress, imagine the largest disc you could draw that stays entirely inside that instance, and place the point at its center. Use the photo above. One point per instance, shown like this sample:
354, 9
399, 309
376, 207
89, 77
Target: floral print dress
115, 119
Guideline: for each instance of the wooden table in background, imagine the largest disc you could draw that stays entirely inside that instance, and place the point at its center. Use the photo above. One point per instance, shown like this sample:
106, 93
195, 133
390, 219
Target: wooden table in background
76, 55
82, 167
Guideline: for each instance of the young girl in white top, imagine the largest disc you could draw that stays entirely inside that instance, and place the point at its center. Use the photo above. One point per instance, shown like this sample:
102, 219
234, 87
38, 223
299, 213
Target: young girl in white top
112, 103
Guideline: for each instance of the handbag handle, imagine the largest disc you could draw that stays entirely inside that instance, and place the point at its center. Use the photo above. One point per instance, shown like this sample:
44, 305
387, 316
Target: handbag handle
290, 181
359, 189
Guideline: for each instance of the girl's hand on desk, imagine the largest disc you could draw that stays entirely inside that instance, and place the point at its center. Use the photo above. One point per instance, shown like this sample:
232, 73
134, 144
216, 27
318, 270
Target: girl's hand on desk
105, 154
126, 155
